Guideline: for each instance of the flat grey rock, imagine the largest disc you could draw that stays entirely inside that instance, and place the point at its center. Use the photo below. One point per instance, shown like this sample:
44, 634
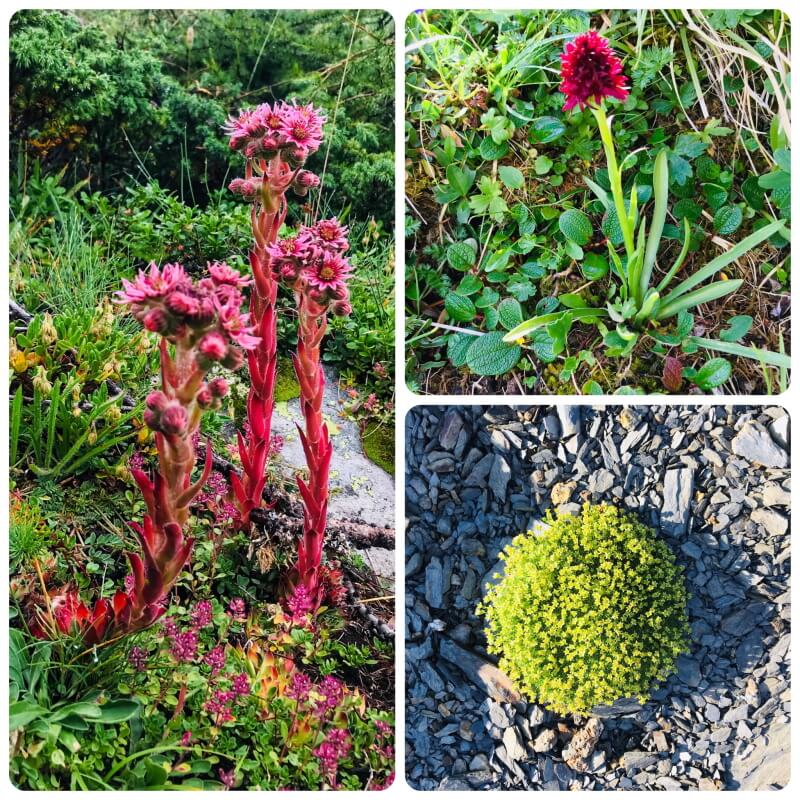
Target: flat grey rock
676, 507
754, 443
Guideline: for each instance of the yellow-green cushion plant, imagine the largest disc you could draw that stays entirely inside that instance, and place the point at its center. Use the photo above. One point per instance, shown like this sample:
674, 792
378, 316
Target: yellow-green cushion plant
589, 610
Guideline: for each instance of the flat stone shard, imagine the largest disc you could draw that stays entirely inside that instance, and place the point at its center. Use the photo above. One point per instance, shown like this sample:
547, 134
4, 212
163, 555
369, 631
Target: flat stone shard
483, 674
774, 523
780, 431
499, 477
570, 419
754, 443
676, 507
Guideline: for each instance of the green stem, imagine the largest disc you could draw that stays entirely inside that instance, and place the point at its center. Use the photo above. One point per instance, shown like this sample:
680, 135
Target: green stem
614, 177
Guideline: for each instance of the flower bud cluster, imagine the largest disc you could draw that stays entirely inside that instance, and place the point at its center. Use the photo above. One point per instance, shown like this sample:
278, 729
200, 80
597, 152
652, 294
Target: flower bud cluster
206, 313
314, 261
294, 131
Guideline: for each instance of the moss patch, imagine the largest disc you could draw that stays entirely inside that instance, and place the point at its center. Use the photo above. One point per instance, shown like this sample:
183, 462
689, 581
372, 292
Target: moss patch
378, 443
286, 385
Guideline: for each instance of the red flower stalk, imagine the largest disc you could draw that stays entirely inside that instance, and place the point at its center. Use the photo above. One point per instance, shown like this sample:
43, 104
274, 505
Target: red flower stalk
590, 71
275, 140
313, 265
204, 323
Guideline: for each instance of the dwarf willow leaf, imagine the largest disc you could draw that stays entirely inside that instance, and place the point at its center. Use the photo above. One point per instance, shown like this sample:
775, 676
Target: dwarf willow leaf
490, 355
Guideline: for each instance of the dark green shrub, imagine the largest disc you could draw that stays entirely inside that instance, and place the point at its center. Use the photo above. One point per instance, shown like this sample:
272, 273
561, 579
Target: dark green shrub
589, 610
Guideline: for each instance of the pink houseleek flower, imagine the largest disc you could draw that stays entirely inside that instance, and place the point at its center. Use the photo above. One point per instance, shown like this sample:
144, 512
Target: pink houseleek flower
311, 264
275, 139
590, 72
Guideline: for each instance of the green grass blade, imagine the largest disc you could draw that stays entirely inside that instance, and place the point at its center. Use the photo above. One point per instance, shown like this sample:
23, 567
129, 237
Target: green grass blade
52, 418
687, 240
780, 360
600, 193
722, 260
16, 423
530, 325
703, 295
661, 195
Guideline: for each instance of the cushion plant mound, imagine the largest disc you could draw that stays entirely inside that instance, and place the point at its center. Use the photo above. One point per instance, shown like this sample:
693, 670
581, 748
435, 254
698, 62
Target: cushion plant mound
588, 611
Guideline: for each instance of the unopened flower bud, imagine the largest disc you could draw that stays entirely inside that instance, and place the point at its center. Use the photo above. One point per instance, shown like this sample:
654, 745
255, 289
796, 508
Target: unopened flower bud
246, 188
295, 156
48, 331
213, 346
269, 147
204, 398
288, 272
219, 387
252, 148
304, 181
319, 296
233, 359
342, 308
181, 303
157, 401
337, 291
174, 420
41, 382
155, 320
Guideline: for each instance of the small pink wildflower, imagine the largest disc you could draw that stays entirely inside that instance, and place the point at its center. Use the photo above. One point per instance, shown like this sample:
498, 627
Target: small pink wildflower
332, 692
186, 738
219, 706
237, 608
184, 646
241, 684
202, 614
228, 778
137, 658
300, 688
329, 274
155, 283
215, 658
302, 127
300, 604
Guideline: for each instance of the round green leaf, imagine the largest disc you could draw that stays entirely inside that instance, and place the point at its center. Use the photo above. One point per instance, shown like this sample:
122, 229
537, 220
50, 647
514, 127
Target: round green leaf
713, 373
542, 165
510, 312
594, 266
687, 209
460, 256
737, 327
460, 309
457, 346
491, 150
545, 129
727, 219
575, 225
490, 355
544, 346
511, 177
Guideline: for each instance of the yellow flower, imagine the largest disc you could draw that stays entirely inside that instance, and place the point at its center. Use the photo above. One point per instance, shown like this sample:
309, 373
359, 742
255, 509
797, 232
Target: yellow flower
520, 341
19, 362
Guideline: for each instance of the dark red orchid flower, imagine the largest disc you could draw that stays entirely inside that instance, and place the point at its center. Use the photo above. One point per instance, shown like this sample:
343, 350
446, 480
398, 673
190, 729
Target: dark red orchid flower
590, 71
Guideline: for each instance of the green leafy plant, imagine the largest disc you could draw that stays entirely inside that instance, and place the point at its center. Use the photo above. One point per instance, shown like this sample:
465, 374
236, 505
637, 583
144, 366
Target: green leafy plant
587, 610
639, 300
